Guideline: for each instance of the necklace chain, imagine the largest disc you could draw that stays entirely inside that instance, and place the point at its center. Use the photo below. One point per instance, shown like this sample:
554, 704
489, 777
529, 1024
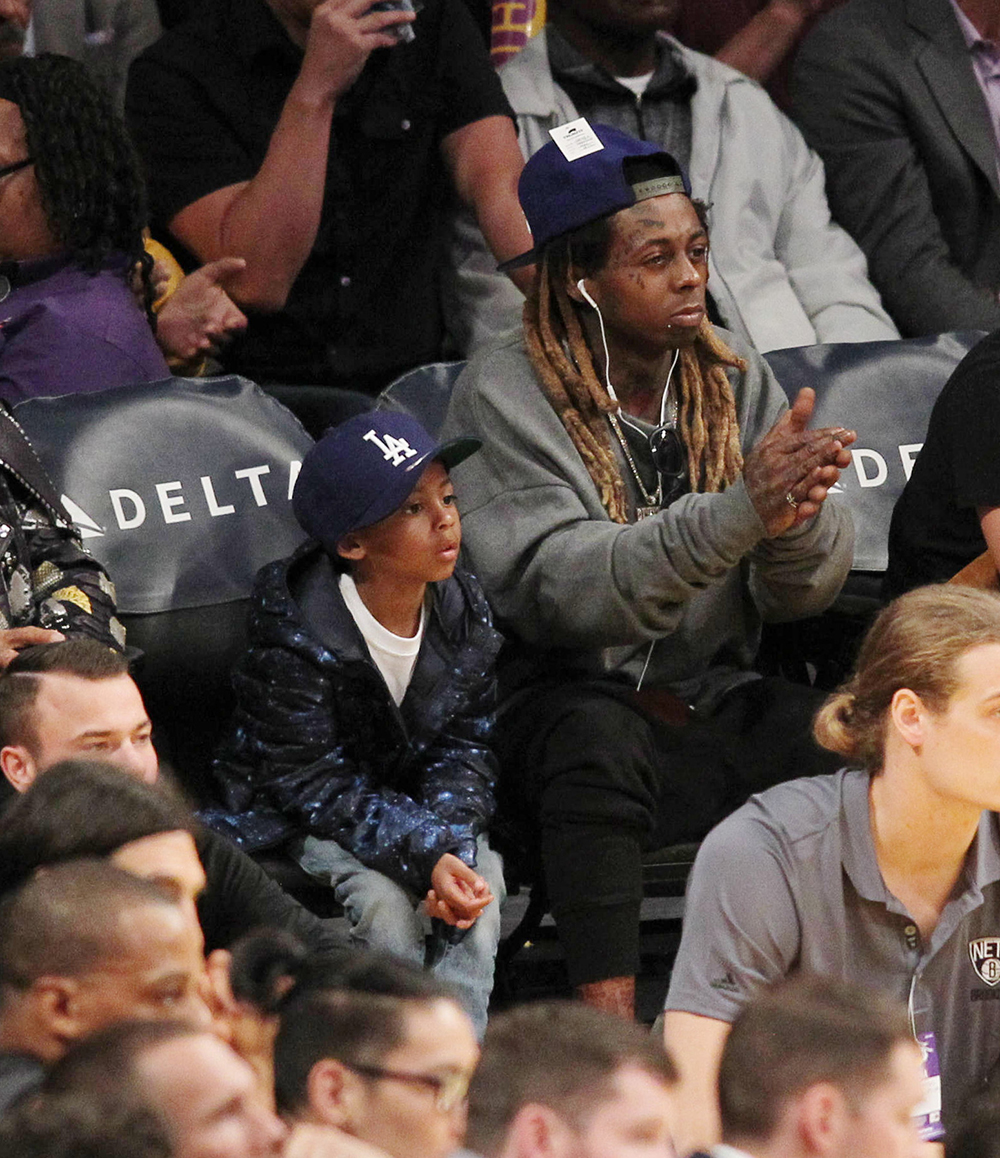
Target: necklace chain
651, 502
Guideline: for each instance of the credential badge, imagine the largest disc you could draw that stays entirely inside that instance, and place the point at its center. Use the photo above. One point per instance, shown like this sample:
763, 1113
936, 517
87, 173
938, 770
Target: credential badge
985, 955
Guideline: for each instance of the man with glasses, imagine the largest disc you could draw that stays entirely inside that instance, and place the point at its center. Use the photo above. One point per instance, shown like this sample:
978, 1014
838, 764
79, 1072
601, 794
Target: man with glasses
387, 1061
643, 500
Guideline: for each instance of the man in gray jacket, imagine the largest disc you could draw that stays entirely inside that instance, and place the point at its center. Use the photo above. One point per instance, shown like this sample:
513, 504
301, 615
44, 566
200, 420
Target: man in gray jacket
783, 274
643, 498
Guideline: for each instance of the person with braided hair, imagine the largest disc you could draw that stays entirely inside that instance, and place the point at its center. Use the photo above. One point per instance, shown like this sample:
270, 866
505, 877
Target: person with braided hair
644, 498
72, 212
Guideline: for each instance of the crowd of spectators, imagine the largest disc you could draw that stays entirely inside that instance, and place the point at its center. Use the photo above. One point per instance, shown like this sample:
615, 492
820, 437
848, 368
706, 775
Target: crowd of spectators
521, 643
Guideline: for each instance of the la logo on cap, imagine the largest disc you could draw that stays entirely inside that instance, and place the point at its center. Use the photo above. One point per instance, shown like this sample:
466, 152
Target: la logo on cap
394, 450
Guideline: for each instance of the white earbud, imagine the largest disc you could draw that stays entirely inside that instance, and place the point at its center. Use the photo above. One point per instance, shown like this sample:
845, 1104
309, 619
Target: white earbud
604, 338
586, 296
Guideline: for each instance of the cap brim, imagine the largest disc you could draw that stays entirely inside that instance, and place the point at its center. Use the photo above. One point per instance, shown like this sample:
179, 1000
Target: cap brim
456, 450
520, 262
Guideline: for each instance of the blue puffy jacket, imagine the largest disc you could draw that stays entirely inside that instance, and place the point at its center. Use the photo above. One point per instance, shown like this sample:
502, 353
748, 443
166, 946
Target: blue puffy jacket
318, 746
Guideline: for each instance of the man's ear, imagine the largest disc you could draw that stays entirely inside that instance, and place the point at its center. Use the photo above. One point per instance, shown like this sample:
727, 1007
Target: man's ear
537, 1131
908, 715
820, 1112
330, 1091
573, 279
56, 1012
351, 546
18, 766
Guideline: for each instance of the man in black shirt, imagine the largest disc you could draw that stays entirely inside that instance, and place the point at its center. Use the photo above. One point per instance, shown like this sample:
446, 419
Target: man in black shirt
302, 137
949, 511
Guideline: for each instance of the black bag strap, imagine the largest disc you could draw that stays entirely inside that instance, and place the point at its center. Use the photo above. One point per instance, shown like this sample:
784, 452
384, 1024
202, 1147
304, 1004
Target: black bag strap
18, 456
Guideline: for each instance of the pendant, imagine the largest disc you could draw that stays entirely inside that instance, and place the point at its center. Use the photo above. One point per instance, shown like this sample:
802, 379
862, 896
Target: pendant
645, 512
4, 287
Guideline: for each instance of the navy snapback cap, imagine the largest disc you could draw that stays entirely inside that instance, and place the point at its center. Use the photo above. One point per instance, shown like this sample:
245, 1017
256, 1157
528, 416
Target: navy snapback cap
560, 195
362, 470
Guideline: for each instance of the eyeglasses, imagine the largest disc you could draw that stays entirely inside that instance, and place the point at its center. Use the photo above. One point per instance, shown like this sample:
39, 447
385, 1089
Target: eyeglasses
449, 1089
6, 170
669, 456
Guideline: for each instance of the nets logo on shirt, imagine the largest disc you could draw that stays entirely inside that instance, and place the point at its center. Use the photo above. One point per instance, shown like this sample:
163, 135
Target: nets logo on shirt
984, 953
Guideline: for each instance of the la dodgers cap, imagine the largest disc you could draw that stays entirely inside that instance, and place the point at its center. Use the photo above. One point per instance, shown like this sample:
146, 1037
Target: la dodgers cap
362, 470
559, 195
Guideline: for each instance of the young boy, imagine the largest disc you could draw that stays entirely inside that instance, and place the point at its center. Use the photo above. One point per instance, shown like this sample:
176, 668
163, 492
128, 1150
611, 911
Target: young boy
364, 704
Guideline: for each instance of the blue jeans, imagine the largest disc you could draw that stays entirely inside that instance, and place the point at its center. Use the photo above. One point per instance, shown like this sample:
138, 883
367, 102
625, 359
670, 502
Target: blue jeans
385, 916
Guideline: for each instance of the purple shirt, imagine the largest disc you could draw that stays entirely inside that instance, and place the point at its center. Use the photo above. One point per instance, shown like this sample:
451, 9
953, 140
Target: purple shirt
986, 65
66, 331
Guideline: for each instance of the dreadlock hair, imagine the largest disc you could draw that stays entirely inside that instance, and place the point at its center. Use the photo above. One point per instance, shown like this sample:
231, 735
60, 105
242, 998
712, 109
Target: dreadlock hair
88, 172
562, 360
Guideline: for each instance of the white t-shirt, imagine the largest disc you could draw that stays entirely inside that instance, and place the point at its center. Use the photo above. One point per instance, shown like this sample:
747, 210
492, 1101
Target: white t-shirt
638, 84
395, 656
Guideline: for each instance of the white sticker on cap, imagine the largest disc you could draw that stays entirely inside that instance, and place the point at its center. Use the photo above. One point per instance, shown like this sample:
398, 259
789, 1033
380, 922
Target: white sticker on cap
576, 139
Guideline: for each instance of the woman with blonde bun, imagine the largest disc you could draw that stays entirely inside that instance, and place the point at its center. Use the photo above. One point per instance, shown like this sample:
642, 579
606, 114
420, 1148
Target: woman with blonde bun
886, 872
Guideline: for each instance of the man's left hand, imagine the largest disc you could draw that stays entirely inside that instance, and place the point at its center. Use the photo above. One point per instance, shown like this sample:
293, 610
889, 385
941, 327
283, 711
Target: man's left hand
789, 473
199, 318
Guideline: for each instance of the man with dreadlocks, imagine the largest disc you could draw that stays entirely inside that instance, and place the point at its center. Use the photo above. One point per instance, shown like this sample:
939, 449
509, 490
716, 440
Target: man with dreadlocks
72, 211
643, 499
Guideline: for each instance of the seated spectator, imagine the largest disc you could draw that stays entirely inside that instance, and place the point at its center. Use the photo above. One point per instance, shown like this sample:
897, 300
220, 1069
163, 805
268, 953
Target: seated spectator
949, 511
341, 281
318, 1030
195, 317
643, 499
87, 944
899, 99
782, 274
190, 1080
83, 808
558, 1080
816, 1066
886, 873
70, 1126
73, 699
73, 209
364, 704
386, 1060
76, 699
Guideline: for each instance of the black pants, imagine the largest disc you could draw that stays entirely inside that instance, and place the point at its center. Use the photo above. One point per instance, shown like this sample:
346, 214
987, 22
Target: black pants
603, 782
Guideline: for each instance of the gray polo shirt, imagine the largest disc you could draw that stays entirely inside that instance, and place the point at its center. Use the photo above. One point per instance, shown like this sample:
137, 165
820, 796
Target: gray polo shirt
790, 881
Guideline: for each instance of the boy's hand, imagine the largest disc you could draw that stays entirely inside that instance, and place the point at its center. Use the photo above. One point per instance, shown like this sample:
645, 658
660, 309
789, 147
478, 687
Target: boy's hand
458, 894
